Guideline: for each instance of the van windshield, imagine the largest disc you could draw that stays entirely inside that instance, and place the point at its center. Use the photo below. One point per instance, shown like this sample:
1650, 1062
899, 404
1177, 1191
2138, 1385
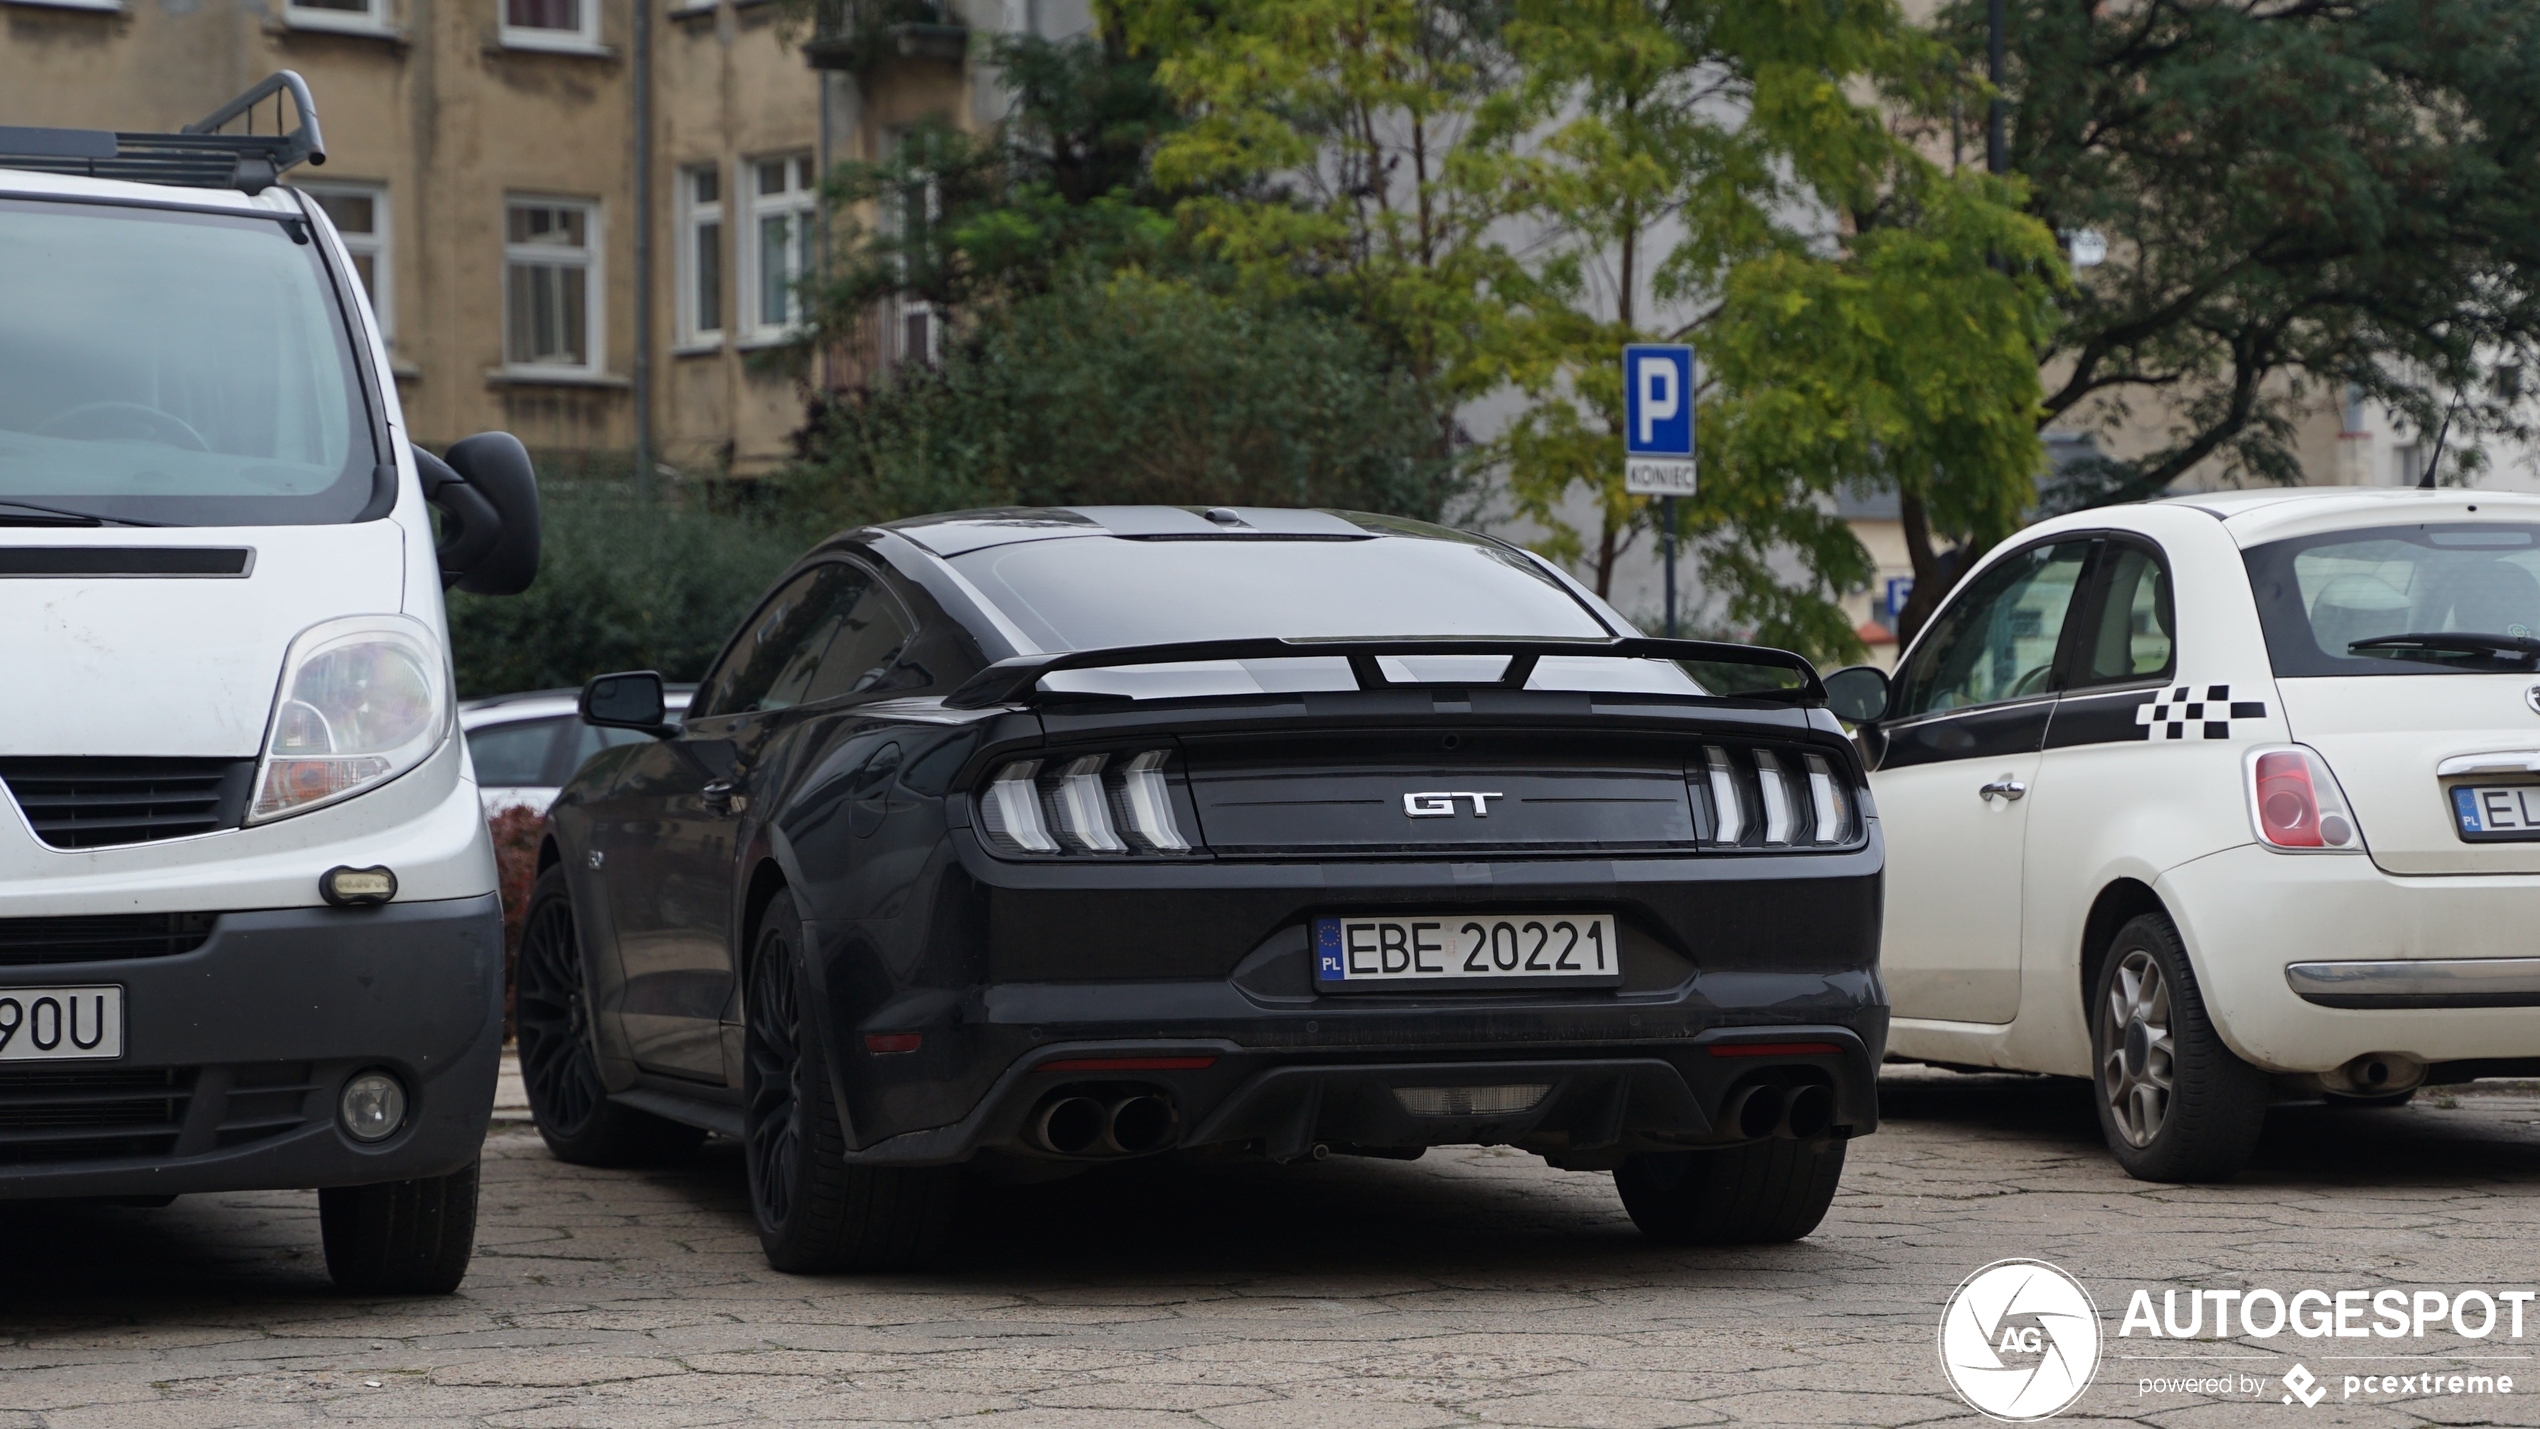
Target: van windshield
2401, 600
171, 368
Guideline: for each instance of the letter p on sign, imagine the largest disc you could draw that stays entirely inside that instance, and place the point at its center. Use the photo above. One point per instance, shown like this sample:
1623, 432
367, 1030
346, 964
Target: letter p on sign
1658, 400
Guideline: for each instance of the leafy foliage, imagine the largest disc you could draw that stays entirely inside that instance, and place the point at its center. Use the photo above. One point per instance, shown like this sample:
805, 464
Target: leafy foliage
623, 584
2299, 196
1134, 389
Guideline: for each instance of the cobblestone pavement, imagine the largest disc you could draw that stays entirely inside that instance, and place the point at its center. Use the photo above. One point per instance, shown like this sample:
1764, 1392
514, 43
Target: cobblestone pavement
1471, 1287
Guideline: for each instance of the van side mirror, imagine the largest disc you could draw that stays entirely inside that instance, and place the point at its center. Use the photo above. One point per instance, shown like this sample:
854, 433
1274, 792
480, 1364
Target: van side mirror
1857, 694
487, 493
631, 699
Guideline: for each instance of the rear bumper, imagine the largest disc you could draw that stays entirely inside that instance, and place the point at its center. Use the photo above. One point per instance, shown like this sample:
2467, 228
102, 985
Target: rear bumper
236, 1054
2310, 962
1598, 1103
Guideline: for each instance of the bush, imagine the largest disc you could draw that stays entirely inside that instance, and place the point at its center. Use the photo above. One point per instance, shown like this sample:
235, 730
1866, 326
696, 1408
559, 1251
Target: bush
1137, 390
516, 831
623, 584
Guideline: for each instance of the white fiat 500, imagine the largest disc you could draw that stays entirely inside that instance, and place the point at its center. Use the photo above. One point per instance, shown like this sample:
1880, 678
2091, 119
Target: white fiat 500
2222, 802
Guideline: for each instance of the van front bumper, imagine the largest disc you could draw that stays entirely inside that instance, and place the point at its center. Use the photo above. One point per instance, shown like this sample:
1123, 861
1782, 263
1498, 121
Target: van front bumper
2309, 961
236, 1053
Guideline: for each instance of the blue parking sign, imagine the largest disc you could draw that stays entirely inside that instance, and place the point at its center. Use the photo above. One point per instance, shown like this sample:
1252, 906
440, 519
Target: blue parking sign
1658, 400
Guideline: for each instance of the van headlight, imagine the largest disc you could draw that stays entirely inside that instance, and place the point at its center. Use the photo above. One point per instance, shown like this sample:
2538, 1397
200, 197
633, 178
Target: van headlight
364, 699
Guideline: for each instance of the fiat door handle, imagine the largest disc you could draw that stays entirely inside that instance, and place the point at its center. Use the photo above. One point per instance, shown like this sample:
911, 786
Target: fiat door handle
2005, 787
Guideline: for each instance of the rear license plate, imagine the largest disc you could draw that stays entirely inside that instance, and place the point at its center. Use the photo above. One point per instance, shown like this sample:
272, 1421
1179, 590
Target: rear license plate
1468, 950
2492, 813
60, 1024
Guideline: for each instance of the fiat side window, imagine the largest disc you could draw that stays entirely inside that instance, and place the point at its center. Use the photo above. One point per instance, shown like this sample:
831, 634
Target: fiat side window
2133, 637
1997, 641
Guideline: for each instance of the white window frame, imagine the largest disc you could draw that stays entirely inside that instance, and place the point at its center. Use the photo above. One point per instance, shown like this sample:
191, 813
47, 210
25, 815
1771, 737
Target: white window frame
692, 336
376, 245
803, 206
594, 287
582, 41
371, 19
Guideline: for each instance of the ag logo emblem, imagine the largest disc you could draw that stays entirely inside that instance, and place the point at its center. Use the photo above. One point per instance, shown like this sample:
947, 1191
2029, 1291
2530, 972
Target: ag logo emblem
2020, 1340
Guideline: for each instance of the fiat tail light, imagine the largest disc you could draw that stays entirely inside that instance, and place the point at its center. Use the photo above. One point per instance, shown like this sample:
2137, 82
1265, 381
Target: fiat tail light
2296, 805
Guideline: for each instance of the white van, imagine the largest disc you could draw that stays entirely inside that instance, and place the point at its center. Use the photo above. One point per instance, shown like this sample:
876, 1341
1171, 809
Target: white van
249, 936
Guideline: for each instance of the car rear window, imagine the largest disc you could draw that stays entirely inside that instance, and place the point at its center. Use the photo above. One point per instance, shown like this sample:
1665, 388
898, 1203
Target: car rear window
1104, 592
1099, 592
2319, 595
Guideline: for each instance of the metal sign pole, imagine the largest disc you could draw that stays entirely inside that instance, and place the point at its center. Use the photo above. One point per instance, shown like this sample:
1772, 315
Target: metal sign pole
1667, 540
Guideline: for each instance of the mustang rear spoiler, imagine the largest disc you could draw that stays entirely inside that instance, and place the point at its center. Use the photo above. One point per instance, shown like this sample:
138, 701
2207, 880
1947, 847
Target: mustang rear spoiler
1017, 680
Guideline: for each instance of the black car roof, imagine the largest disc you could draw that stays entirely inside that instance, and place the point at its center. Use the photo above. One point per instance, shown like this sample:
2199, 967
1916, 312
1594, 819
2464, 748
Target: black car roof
956, 533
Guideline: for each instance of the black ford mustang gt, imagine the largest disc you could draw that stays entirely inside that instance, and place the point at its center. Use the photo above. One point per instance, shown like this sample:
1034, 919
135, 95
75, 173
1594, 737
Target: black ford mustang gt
1027, 840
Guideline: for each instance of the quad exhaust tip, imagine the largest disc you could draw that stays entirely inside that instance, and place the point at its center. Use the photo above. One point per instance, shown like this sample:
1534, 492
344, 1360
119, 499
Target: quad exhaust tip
1124, 1126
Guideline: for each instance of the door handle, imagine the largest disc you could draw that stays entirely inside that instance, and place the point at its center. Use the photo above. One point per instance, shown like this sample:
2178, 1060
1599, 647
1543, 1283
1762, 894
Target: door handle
2005, 787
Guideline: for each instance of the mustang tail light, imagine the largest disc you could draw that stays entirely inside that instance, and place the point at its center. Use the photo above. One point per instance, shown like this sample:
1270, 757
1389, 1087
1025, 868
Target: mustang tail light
1012, 810
1771, 799
1080, 811
2295, 803
1092, 804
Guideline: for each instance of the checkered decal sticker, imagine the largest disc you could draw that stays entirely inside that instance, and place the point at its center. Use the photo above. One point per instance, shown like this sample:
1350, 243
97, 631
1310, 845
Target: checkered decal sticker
2172, 713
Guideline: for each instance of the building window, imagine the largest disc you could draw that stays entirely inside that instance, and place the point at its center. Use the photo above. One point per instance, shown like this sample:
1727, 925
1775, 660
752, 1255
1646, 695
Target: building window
916, 210
551, 24
551, 316
784, 207
701, 256
360, 215
353, 16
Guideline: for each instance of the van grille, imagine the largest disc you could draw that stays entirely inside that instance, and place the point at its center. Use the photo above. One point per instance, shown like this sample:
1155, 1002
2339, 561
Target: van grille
99, 802
54, 1115
102, 937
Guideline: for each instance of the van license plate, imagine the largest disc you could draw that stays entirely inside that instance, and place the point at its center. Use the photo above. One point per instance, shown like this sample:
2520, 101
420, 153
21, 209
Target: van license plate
60, 1024
1467, 950
2495, 813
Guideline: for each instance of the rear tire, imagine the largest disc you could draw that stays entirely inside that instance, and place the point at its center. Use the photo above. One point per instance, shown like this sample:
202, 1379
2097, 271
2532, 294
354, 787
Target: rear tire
558, 1064
816, 1211
1760, 1193
2174, 1103
402, 1237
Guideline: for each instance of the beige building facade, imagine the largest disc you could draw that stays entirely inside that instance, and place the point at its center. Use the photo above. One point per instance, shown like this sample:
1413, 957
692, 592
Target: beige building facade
486, 163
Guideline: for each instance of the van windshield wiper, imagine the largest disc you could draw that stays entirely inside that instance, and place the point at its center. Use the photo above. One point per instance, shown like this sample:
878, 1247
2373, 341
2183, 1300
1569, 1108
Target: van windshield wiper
2446, 646
20, 513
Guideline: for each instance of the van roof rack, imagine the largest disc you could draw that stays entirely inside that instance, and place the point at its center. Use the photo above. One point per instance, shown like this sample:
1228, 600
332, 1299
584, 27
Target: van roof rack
197, 156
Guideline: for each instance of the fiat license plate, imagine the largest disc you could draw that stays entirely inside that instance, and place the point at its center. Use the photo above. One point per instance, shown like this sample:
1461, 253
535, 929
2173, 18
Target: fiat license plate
60, 1024
2489, 813
1468, 950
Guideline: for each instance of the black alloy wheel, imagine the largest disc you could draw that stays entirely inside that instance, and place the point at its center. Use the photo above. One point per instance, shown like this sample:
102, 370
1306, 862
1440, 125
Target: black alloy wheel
558, 1067
816, 1210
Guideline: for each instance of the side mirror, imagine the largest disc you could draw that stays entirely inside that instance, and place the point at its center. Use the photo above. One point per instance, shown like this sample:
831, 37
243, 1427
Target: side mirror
1857, 694
488, 493
629, 700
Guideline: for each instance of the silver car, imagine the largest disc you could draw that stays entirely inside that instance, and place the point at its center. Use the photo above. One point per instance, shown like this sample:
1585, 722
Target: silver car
526, 745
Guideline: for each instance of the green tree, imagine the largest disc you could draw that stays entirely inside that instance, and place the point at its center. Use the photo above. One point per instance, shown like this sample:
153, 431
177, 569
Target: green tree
1134, 389
1337, 152
2299, 196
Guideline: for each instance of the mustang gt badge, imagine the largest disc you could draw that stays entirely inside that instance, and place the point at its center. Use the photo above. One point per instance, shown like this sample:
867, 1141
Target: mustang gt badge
1442, 806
